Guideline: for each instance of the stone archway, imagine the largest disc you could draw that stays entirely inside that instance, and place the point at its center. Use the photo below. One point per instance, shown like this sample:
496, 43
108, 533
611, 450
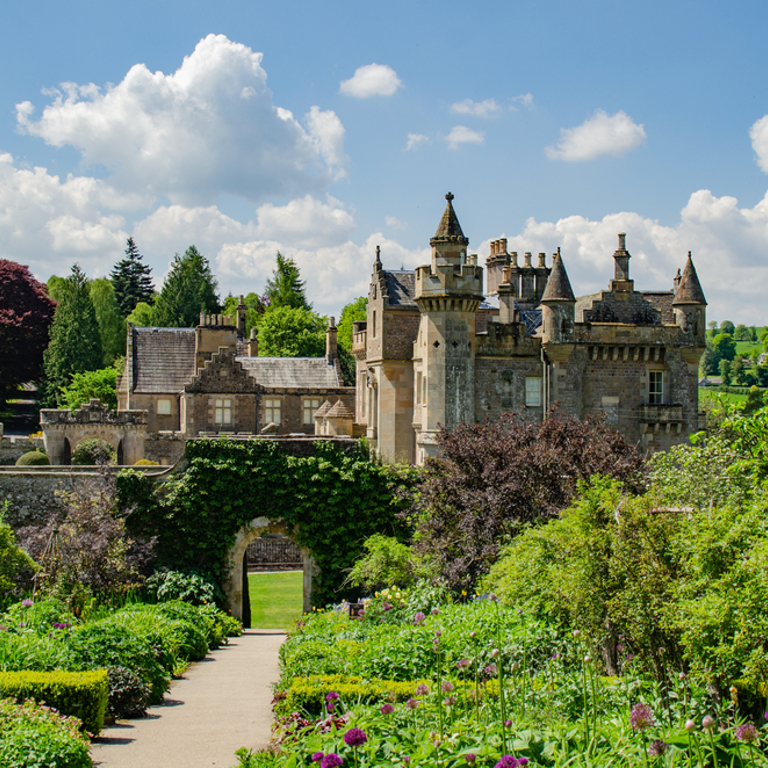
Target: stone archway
233, 587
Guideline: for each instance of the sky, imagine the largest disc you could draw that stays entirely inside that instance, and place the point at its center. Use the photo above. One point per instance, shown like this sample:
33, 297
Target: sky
325, 129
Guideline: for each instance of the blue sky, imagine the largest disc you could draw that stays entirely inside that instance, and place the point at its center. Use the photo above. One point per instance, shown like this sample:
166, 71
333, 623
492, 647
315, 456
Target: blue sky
323, 130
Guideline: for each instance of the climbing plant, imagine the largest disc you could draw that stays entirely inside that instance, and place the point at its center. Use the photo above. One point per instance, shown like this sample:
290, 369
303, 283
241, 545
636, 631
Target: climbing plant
330, 502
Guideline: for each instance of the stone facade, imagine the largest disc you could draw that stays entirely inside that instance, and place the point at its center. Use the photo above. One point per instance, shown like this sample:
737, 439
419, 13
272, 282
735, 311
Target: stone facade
434, 351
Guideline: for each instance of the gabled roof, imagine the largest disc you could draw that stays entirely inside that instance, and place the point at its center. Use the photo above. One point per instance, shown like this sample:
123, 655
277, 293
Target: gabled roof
401, 287
339, 411
292, 372
163, 359
449, 229
689, 291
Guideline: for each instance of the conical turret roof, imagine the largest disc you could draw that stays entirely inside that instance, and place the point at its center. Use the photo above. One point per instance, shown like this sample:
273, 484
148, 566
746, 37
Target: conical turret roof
689, 291
558, 285
449, 229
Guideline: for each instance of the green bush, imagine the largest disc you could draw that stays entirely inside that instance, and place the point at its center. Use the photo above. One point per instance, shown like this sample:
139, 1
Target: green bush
146, 463
93, 450
128, 693
32, 736
32, 459
175, 585
78, 694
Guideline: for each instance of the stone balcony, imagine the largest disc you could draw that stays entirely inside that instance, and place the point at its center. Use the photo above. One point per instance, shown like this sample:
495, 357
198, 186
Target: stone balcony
655, 417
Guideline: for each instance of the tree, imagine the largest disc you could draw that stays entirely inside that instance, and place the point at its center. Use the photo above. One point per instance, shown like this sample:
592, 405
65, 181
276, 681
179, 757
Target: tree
727, 327
254, 308
132, 279
286, 288
111, 322
100, 384
75, 344
142, 315
353, 312
291, 332
492, 479
725, 371
26, 314
744, 333
189, 289
724, 347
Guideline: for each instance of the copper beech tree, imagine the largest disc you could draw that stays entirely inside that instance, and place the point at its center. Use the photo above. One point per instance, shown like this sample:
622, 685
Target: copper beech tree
491, 479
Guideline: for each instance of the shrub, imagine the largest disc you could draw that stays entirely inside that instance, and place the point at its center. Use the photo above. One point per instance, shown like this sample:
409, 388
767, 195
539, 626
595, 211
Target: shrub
32, 459
190, 587
146, 463
128, 693
78, 694
33, 736
16, 566
93, 450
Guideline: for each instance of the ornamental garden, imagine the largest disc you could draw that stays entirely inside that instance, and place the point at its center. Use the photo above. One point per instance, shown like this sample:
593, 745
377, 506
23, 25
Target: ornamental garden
537, 595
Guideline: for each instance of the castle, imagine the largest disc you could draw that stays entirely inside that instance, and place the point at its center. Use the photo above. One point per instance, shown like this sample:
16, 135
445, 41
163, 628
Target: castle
434, 351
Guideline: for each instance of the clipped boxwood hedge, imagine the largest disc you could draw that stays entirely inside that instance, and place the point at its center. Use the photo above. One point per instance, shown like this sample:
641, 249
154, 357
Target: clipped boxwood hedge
32, 459
80, 694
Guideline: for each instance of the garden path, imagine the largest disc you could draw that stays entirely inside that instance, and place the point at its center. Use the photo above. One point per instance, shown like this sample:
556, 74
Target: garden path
220, 704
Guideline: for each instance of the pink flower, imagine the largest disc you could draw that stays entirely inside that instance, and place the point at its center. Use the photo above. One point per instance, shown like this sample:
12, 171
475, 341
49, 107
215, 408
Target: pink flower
355, 737
422, 690
387, 709
447, 686
412, 703
317, 757
331, 760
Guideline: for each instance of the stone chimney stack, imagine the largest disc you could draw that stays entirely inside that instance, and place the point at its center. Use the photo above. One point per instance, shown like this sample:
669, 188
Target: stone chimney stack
253, 344
507, 293
240, 315
331, 350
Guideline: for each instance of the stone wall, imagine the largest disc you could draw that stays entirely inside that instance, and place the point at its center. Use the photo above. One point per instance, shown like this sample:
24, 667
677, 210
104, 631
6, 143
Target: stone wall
11, 448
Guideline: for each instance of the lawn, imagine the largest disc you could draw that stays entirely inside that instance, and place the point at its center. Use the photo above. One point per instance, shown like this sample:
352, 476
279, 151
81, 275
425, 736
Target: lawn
276, 599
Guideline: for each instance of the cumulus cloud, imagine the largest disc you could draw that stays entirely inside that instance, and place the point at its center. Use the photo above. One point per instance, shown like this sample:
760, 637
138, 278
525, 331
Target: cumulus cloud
395, 223
487, 108
524, 100
371, 80
460, 134
208, 128
759, 135
601, 134
415, 140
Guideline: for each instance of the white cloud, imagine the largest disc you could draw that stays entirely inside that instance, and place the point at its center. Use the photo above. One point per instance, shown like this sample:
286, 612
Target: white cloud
460, 134
601, 134
524, 99
371, 80
395, 223
415, 140
759, 135
487, 108
208, 128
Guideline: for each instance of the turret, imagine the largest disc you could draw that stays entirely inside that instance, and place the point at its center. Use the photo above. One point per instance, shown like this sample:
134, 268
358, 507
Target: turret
557, 305
690, 305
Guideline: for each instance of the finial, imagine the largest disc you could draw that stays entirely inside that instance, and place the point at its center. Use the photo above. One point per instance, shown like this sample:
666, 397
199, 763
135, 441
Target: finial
377, 263
689, 255
558, 250
449, 197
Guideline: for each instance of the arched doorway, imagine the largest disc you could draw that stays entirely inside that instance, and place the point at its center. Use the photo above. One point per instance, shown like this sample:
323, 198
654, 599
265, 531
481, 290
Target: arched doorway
236, 587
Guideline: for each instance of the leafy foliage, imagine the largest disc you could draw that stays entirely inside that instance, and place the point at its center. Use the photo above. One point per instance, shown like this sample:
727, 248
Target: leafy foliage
492, 478
111, 322
16, 566
132, 280
128, 693
255, 306
142, 316
26, 314
286, 288
92, 451
291, 332
386, 562
75, 344
352, 312
100, 384
189, 289
193, 588
32, 459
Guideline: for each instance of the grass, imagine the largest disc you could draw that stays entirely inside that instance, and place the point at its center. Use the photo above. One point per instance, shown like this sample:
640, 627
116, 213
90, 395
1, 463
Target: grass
276, 599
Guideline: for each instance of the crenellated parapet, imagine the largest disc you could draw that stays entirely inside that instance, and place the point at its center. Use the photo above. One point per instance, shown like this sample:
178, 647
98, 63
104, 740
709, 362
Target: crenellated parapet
92, 412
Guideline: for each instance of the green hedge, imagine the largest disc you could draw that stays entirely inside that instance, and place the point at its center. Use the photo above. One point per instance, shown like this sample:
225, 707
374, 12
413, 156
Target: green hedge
81, 694
32, 459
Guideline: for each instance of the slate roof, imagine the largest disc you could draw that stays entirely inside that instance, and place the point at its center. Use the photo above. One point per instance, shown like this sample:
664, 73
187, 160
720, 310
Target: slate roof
689, 291
163, 359
558, 286
291, 372
449, 229
401, 287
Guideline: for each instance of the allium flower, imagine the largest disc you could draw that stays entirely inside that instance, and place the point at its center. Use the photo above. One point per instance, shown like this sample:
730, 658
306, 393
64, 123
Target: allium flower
412, 703
494, 653
657, 748
317, 757
491, 670
386, 607
355, 737
576, 632
406, 759
422, 690
707, 723
470, 757
331, 696
331, 760
473, 635
462, 663
449, 701
690, 726
681, 676
387, 709
492, 596
435, 611
26, 603
507, 761
446, 687
746, 732
641, 717
507, 723
418, 617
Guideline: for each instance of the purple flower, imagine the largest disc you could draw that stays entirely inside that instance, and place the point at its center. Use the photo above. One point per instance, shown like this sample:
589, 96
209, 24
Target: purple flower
26, 603
657, 748
494, 653
331, 696
707, 722
746, 732
317, 757
491, 670
355, 737
462, 663
470, 757
446, 687
406, 759
412, 703
507, 761
507, 723
641, 717
387, 709
435, 611
690, 726
422, 690
386, 607
449, 701
418, 617
331, 760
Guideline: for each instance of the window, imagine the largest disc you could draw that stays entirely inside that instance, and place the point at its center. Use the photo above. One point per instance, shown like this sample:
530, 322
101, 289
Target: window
533, 390
163, 407
272, 411
311, 404
655, 387
223, 410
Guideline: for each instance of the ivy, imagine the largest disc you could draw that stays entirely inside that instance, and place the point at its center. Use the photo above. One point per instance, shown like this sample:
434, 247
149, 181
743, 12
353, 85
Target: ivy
329, 502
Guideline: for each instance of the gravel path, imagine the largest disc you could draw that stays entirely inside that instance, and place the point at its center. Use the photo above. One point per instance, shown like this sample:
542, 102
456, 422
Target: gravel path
221, 704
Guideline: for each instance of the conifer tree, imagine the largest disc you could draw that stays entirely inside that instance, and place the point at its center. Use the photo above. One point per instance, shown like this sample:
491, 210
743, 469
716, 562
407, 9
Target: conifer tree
75, 344
111, 322
132, 280
286, 288
189, 289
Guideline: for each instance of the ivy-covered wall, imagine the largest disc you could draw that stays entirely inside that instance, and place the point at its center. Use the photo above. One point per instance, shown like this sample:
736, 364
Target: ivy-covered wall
329, 502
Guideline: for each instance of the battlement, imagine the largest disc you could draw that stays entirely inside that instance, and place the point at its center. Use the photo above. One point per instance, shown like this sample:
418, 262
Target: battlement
449, 281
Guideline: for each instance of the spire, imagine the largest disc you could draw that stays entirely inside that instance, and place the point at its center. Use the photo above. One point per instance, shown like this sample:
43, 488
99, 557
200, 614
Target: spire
449, 229
558, 285
689, 291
